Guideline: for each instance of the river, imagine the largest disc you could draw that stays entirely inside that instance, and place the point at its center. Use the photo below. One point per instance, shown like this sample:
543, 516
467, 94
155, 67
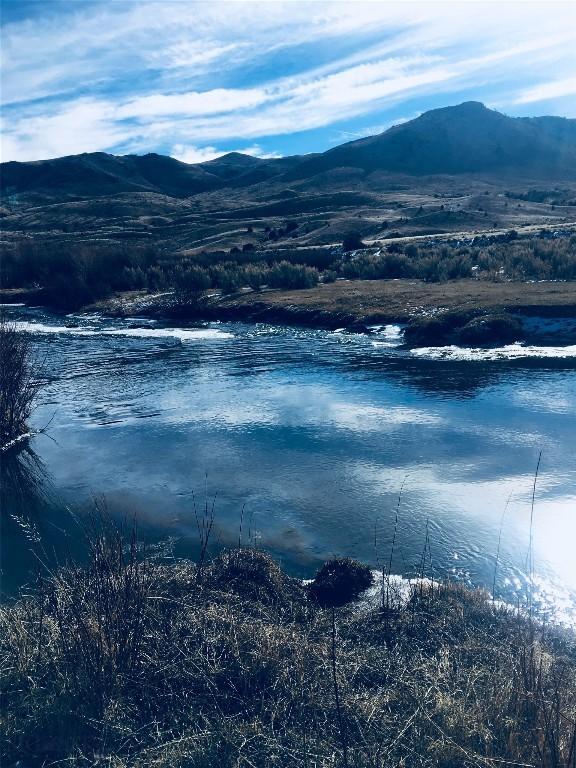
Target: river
308, 444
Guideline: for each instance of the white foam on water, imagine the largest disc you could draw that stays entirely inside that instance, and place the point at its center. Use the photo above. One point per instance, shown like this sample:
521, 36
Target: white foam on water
388, 335
178, 333
56, 329
509, 352
160, 333
389, 332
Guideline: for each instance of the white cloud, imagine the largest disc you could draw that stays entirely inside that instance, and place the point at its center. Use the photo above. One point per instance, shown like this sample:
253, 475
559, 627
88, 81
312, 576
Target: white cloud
193, 103
187, 53
545, 91
191, 154
256, 151
142, 74
83, 126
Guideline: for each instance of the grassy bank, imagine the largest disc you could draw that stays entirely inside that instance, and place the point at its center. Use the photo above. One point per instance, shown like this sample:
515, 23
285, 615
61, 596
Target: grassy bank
134, 662
360, 303
392, 300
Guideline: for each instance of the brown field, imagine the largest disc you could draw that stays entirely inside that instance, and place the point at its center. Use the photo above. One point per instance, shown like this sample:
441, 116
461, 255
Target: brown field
403, 299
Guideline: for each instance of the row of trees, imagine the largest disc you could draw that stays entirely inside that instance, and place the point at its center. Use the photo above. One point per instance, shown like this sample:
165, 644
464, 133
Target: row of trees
230, 277
75, 275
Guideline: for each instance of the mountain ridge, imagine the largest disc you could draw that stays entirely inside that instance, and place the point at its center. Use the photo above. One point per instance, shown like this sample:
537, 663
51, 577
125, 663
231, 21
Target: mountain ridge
454, 140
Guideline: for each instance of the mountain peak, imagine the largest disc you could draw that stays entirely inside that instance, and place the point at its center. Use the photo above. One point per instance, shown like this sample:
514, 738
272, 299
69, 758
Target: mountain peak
235, 158
470, 106
467, 109
464, 138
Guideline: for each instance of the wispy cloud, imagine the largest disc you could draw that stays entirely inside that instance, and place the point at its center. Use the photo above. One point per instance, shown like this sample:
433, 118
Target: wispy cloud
191, 154
192, 78
547, 91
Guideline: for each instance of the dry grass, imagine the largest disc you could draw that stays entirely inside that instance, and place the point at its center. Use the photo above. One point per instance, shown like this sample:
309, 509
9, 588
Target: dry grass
133, 662
19, 382
394, 299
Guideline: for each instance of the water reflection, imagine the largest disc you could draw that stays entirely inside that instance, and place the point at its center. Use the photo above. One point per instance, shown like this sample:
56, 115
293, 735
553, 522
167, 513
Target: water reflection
314, 432
23, 487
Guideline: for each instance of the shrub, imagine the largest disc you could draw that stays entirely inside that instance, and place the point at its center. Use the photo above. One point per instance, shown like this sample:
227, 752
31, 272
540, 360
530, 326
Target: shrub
352, 242
290, 276
255, 275
339, 581
19, 381
192, 280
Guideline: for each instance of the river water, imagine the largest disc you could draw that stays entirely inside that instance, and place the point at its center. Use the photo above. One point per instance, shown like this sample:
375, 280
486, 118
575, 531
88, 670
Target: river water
302, 441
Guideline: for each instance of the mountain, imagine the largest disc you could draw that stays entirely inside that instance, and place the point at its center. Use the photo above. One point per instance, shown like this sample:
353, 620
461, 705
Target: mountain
468, 138
463, 139
97, 174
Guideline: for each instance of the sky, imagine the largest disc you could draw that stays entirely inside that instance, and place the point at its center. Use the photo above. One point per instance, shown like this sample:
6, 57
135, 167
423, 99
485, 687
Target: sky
195, 80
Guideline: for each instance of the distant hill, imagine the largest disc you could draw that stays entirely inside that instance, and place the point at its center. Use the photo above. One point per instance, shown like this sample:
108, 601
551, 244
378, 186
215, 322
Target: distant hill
468, 138
457, 151
97, 174
464, 139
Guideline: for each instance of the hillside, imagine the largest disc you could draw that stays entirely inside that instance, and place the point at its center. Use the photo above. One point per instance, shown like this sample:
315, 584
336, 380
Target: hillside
468, 138
98, 173
458, 169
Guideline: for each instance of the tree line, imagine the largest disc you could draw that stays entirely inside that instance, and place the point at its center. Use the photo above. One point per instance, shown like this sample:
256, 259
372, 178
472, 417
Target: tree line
72, 275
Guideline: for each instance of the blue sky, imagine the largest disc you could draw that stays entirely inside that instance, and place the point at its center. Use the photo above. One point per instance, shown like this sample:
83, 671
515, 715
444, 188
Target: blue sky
197, 79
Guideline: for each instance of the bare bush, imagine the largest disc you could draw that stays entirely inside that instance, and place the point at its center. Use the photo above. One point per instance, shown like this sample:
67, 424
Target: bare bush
19, 382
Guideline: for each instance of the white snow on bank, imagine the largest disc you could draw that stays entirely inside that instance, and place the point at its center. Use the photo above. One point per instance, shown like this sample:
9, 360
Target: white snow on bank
394, 591
184, 334
388, 335
509, 352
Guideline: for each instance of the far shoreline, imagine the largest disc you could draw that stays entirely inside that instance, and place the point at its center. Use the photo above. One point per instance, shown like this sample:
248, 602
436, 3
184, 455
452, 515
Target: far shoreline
354, 305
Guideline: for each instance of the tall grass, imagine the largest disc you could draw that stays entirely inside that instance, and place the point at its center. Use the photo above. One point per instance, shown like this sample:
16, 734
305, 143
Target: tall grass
19, 382
132, 661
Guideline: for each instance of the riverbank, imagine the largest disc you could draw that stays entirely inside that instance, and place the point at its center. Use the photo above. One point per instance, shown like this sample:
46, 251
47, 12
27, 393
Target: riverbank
467, 312
461, 311
363, 301
133, 661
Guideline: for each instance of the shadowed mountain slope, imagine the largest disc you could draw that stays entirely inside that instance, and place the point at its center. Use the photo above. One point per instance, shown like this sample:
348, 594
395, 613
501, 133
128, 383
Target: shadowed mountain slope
452, 141
97, 173
468, 138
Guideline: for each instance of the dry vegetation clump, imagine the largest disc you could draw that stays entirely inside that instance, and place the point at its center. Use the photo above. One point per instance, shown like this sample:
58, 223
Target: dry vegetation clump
19, 382
131, 662
339, 581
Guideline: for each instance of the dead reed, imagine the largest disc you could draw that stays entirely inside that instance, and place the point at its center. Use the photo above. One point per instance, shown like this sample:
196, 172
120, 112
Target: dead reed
19, 383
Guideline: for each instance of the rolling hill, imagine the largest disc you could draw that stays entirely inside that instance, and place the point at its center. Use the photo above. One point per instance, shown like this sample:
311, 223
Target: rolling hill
463, 139
468, 138
460, 168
